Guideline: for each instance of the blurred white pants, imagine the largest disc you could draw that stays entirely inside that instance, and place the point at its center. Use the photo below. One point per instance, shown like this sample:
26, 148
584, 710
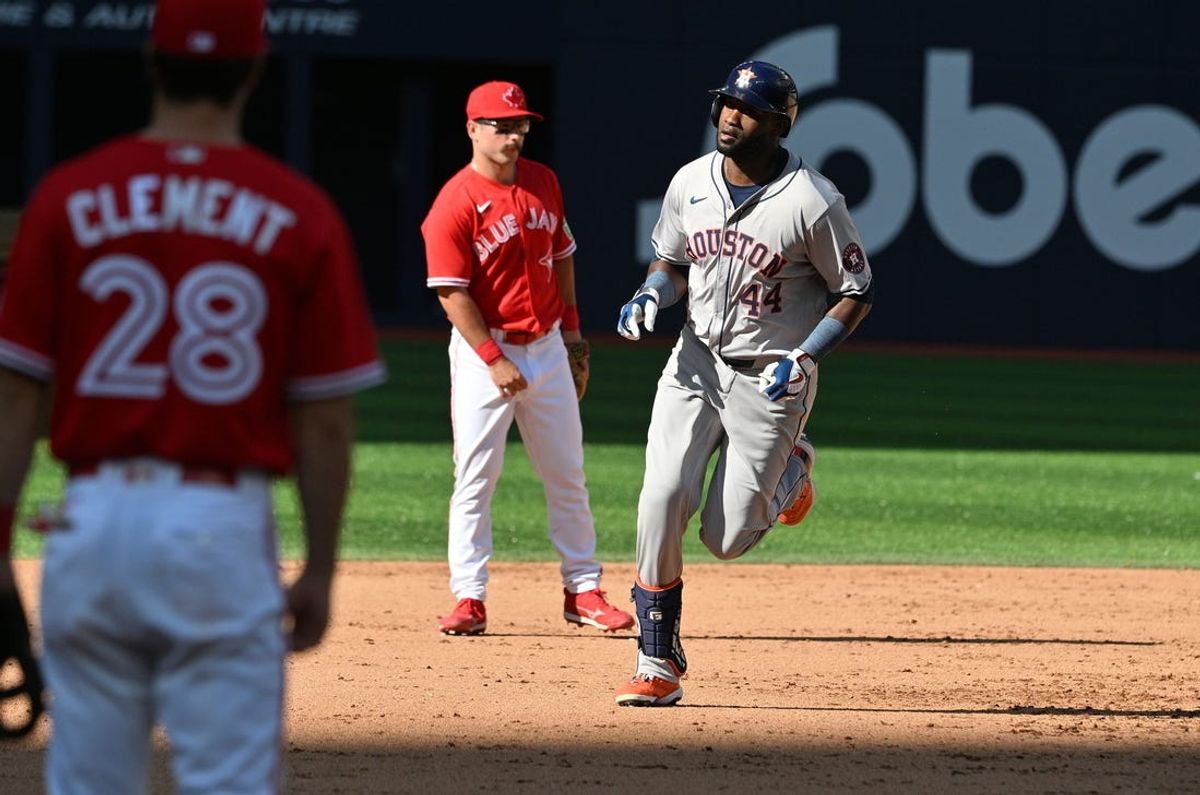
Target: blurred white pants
161, 603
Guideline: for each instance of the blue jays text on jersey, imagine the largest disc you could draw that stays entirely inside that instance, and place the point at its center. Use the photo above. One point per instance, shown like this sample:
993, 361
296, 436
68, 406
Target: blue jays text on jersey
500, 232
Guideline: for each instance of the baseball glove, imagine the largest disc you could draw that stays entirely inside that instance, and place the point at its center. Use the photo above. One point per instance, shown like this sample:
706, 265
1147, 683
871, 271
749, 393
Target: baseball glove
577, 356
14, 645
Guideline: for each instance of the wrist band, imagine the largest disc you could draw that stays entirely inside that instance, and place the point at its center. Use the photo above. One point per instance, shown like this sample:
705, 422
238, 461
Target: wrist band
661, 283
570, 318
7, 515
824, 338
489, 351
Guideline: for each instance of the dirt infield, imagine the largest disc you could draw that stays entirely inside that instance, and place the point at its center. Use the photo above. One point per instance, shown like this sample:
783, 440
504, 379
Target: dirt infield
803, 679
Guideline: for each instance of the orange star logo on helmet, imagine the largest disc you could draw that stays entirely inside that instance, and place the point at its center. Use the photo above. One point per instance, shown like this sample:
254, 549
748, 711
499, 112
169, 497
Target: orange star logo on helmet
744, 77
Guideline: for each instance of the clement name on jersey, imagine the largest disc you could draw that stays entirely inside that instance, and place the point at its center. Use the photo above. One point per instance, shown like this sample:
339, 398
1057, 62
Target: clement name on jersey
189, 270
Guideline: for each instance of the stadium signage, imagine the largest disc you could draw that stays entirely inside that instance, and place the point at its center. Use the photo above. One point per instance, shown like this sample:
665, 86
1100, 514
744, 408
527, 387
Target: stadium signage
1125, 188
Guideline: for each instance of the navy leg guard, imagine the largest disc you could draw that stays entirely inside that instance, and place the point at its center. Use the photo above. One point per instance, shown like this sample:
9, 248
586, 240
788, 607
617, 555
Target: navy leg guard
658, 621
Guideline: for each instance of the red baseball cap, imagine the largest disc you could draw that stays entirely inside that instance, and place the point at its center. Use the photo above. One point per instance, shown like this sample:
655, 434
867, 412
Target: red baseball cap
499, 100
210, 28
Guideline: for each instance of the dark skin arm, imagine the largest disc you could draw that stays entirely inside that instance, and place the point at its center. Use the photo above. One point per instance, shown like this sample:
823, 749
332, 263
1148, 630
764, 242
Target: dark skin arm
677, 278
849, 311
645, 311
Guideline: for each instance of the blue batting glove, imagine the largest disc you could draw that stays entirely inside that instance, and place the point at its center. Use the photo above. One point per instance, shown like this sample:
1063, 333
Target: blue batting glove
785, 378
642, 309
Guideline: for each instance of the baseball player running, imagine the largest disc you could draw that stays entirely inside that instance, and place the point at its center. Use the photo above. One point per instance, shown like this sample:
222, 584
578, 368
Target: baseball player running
775, 279
197, 308
500, 256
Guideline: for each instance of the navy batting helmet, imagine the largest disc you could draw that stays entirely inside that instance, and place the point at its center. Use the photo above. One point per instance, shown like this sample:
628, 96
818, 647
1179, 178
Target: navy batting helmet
761, 85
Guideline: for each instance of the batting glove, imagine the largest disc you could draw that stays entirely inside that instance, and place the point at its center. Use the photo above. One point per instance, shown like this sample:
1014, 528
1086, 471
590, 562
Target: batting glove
642, 309
785, 378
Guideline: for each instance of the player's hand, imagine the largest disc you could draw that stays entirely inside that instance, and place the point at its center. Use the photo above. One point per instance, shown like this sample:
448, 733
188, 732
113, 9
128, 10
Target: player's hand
786, 377
14, 645
642, 309
308, 609
507, 377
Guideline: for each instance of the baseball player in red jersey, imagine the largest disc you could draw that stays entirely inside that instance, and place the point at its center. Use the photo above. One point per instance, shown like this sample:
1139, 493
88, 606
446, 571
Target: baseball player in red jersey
775, 279
198, 309
500, 256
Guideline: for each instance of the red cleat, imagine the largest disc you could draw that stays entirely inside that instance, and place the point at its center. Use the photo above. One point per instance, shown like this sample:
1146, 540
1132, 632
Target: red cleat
468, 618
591, 608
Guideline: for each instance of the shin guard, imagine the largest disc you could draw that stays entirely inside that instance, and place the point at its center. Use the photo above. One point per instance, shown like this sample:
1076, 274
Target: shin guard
658, 623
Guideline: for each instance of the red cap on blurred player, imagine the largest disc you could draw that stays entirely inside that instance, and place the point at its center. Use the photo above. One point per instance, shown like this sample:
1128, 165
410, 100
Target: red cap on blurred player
210, 28
499, 100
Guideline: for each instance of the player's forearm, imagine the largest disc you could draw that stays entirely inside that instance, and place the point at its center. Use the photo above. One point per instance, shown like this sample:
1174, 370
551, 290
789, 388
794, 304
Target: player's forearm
677, 279
323, 433
849, 312
833, 329
463, 313
564, 273
18, 431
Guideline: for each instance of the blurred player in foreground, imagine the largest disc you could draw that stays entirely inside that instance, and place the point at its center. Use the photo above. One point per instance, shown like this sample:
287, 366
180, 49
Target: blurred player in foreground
197, 307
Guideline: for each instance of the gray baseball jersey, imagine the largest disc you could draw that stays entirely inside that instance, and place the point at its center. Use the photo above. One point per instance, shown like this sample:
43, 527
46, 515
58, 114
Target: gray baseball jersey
759, 280
760, 273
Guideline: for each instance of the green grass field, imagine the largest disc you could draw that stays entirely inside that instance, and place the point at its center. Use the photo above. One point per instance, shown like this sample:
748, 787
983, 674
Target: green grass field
921, 459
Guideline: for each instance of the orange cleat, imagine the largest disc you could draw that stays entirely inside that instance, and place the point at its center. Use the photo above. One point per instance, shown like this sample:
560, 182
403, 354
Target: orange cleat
644, 690
801, 507
803, 503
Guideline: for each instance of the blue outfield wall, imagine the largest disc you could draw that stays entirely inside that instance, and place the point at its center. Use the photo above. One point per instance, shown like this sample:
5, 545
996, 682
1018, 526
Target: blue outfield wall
1023, 173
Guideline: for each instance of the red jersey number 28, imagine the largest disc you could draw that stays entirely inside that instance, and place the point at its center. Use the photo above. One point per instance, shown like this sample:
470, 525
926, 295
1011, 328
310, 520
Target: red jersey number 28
214, 356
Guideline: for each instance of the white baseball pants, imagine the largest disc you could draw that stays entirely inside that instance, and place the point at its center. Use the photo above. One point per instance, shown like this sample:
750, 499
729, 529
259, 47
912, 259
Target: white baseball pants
547, 415
161, 603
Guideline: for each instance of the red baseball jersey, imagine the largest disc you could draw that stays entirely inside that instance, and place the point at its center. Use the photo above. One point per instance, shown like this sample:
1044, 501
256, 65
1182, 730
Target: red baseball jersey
179, 295
500, 242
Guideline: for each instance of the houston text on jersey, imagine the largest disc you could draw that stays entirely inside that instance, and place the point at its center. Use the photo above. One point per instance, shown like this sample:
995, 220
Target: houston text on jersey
732, 243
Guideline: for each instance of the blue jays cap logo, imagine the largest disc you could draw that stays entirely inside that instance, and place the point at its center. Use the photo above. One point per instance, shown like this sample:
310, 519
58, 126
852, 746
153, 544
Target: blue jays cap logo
514, 98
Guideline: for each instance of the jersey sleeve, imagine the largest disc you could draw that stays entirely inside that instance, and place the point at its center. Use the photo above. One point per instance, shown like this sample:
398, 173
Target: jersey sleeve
448, 230
28, 304
668, 238
335, 353
835, 250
